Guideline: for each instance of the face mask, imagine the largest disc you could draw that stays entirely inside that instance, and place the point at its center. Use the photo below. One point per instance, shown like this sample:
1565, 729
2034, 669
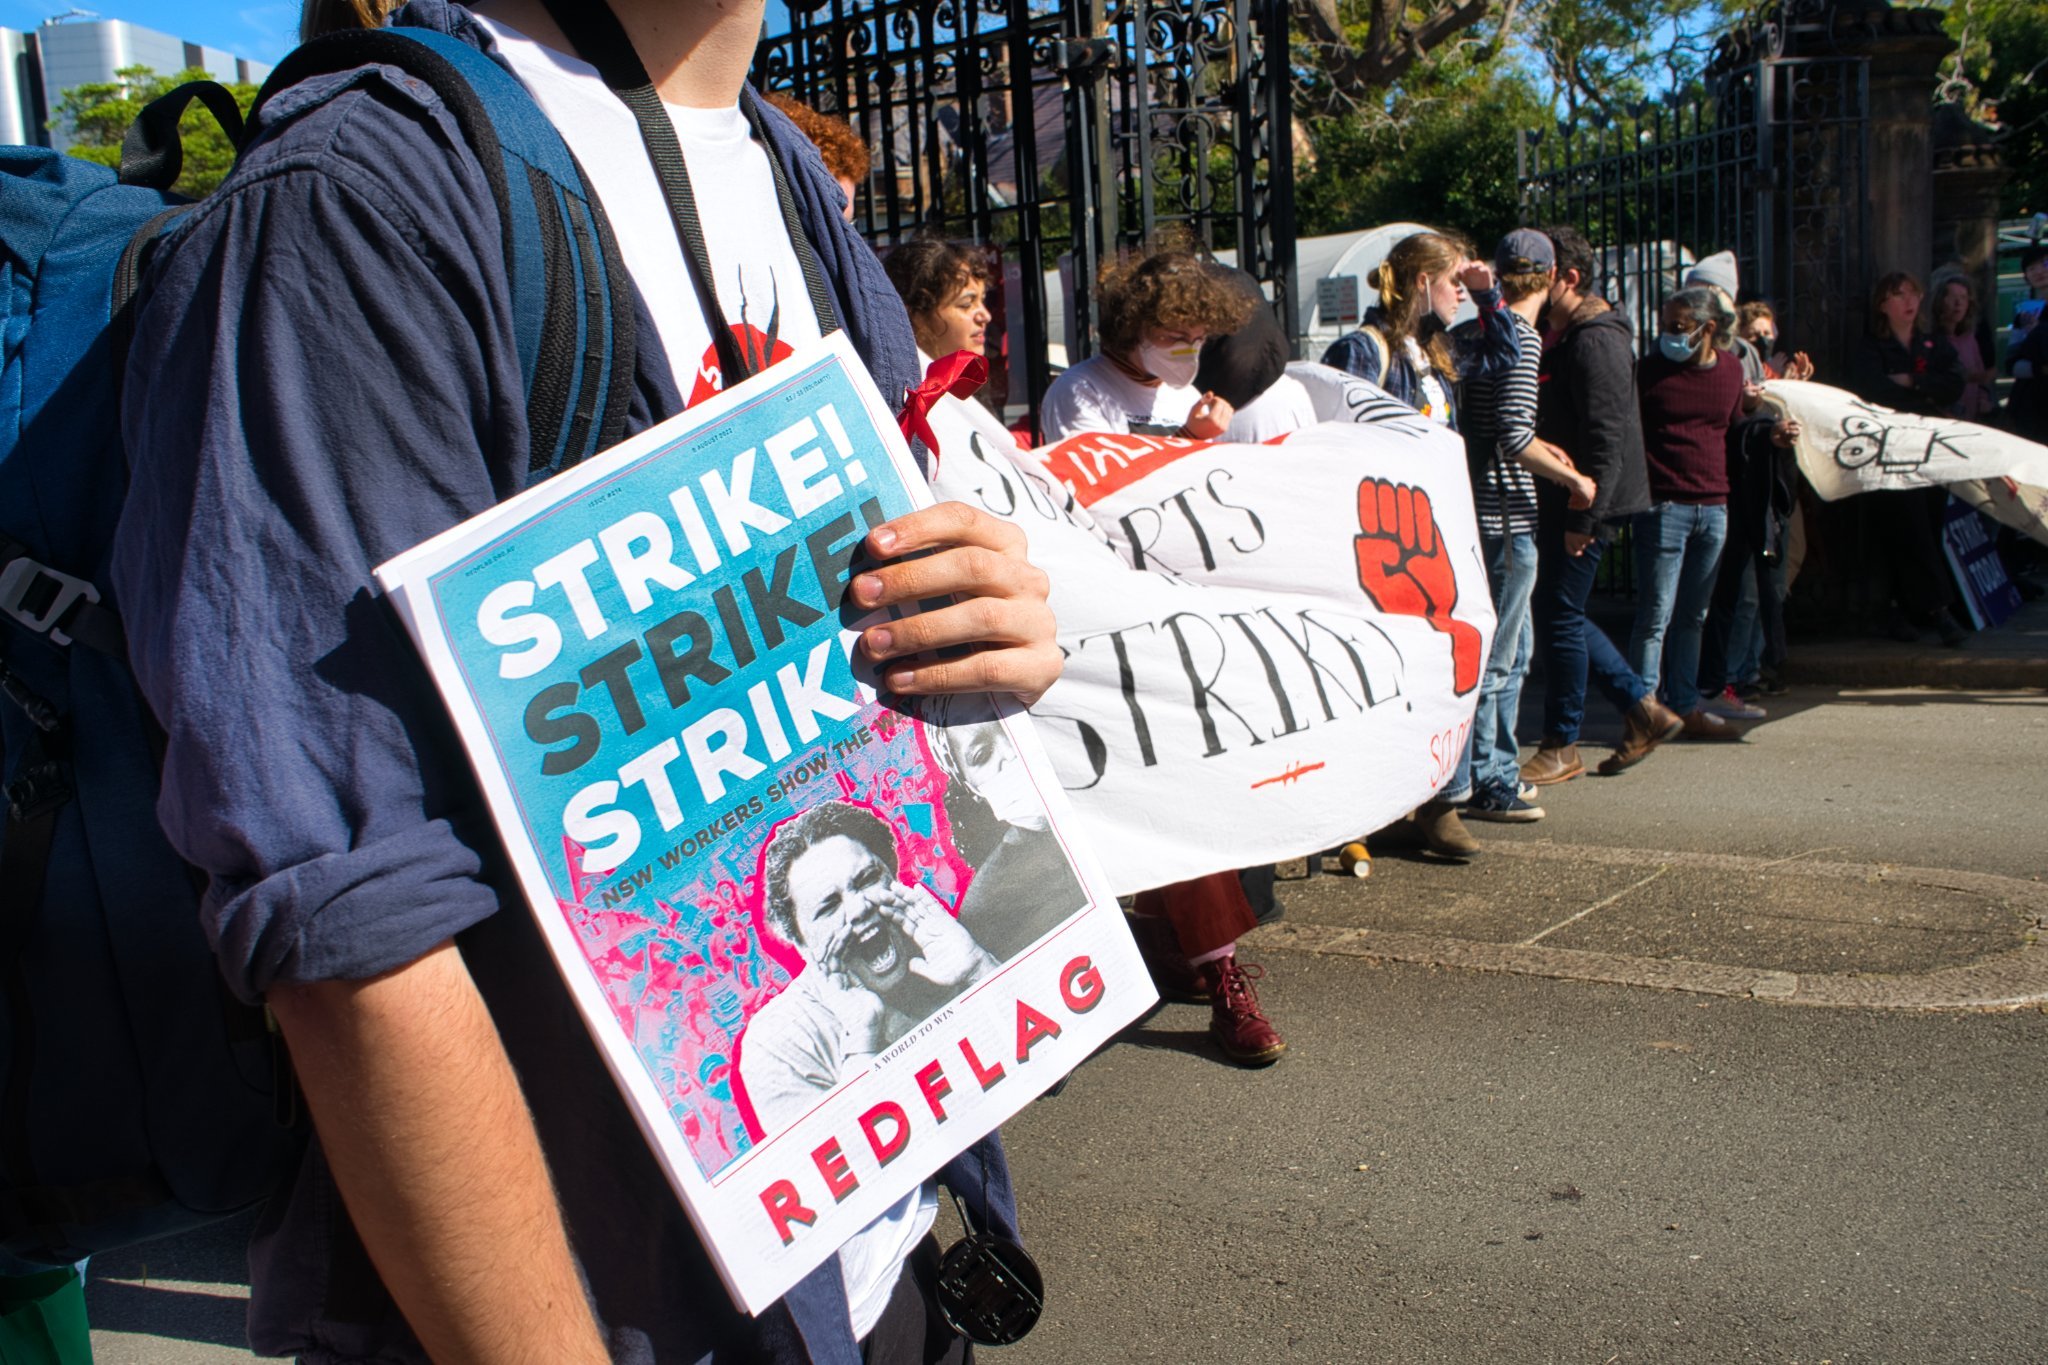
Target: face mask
1176, 365
1675, 347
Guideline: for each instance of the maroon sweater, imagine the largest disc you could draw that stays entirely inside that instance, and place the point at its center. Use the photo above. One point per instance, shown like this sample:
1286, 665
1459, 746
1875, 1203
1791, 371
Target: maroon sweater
1687, 411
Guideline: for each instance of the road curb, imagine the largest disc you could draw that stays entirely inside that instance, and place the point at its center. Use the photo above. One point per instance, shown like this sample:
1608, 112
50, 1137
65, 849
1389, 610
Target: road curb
2015, 979
1874, 666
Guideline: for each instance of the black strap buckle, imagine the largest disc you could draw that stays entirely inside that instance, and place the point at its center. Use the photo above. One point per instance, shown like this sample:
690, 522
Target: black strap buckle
37, 790
38, 596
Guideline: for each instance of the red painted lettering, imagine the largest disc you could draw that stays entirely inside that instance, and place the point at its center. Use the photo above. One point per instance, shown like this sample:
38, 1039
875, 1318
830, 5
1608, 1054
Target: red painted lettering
886, 1149
985, 1076
1081, 985
785, 1207
932, 1083
839, 1177
1031, 1026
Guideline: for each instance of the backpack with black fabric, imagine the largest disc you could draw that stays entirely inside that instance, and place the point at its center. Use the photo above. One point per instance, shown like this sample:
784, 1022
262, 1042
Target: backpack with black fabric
137, 1097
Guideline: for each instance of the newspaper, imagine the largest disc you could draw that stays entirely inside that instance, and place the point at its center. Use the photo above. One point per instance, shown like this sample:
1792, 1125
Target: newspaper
825, 940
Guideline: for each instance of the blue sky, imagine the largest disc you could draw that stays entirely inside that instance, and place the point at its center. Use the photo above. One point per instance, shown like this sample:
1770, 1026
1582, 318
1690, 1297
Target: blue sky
262, 30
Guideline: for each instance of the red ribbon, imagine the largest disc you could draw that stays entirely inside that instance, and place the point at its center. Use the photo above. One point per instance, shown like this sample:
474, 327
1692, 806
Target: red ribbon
959, 374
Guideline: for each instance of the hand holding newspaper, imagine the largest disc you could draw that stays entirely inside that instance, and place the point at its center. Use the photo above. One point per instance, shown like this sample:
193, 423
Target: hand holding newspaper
825, 939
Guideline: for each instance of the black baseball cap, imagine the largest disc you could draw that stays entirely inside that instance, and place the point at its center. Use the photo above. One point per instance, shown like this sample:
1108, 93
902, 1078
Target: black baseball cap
1524, 251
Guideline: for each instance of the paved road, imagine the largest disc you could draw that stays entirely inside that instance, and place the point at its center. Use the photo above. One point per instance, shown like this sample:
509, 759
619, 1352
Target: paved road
1457, 1167
1554, 1170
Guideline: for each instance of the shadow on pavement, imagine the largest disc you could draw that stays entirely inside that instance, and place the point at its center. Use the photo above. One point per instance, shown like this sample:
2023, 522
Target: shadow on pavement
178, 1314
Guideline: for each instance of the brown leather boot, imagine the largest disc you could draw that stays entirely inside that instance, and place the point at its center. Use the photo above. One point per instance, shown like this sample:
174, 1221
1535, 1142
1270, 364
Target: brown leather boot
1648, 723
1444, 833
1553, 763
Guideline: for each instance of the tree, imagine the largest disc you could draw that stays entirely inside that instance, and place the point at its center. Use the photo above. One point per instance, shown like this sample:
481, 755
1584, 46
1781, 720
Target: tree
1441, 152
1999, 74
98, 116
1350, 52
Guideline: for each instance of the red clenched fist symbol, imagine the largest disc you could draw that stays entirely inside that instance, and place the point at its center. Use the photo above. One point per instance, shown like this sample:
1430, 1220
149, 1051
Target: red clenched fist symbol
1406, 571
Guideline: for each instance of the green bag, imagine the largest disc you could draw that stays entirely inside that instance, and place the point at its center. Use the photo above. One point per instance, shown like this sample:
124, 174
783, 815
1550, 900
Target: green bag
42, 1319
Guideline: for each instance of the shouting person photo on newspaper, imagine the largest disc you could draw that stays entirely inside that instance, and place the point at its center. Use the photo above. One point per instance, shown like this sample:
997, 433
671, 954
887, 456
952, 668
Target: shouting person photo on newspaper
879, 958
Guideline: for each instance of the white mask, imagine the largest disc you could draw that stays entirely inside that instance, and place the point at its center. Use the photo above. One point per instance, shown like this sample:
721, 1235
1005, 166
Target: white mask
1175, 365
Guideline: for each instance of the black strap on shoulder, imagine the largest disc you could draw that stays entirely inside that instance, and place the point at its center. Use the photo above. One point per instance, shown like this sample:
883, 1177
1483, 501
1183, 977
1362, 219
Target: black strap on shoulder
152, 154
598, 37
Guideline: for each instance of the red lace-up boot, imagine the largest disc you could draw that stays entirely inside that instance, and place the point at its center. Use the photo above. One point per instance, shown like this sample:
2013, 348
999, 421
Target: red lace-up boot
1237, 1023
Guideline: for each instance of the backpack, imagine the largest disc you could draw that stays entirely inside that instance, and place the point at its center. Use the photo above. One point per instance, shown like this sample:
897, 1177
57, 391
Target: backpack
137, 1097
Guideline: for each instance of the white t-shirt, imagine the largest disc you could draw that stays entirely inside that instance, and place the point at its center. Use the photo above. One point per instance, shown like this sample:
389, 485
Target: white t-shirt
760, 281
1436, 404
1096, 395
761, 285
1285, 406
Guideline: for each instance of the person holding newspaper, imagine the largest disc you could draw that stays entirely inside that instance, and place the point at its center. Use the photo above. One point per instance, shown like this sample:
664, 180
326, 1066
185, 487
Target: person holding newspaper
326, 372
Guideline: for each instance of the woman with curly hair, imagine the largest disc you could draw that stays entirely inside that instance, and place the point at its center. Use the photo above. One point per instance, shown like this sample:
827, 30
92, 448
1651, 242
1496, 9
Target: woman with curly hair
1404, 345
1156, 312
943, 286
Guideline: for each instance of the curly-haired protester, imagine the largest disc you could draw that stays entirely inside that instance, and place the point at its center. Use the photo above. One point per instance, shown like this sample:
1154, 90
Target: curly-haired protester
944, 289
1156, 312
846, 154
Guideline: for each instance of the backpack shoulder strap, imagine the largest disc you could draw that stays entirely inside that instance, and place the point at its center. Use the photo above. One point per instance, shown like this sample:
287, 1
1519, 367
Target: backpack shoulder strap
572, 298
1379, 339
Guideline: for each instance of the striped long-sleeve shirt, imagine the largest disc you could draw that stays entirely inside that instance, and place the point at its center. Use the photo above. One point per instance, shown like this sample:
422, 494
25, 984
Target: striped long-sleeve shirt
1499, 414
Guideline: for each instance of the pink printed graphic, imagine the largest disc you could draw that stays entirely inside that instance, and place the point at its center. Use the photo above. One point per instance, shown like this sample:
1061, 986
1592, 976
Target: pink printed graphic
677, 941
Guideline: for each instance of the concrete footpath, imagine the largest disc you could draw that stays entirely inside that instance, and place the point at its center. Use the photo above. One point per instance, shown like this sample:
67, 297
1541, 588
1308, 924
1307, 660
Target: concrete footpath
2013, 655
1868, 847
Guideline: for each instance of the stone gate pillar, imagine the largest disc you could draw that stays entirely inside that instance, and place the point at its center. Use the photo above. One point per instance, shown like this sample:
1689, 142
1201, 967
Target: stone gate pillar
1969, 174
1905, 48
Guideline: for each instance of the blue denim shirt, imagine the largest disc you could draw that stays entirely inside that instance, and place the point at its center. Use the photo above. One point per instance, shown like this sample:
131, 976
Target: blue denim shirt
325, 373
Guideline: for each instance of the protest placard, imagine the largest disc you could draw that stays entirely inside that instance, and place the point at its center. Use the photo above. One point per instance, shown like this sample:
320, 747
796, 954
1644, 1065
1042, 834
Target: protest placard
1270, 649
1847, 445
824, 942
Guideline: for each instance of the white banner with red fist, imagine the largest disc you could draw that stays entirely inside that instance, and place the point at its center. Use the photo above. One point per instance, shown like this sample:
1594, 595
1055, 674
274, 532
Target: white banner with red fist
1847, 446
1271, 649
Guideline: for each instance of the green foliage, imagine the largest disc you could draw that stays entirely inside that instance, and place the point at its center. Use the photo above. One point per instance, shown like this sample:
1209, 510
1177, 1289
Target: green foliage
98, 116
2000, 74
1443, 155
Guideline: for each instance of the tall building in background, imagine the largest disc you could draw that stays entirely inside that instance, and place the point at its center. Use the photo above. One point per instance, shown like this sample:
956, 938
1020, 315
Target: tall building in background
62, 53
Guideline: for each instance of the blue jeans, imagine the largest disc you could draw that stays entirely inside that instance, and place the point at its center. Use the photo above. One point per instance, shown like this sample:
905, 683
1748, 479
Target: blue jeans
1678, 557
1574, 650
1511, 570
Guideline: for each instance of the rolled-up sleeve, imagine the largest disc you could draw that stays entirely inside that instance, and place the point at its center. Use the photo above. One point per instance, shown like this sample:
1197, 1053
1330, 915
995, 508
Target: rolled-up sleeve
323, 374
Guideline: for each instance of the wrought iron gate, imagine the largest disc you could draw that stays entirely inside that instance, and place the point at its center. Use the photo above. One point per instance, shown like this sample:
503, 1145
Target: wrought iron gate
1772, 166
1058, 135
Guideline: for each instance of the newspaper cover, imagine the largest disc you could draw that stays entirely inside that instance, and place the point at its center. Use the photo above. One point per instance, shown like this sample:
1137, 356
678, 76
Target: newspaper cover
826, 938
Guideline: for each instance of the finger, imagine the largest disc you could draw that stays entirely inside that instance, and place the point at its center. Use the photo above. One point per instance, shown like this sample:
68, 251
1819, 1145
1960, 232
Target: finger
1425, 523
1404, 505
975, 621
1369, 507
942, 525
1027, 670
961, 570
1390, 517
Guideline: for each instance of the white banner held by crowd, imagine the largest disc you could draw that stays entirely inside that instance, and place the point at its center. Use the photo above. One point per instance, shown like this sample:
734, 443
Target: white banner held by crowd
1271, 649
1847, 446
